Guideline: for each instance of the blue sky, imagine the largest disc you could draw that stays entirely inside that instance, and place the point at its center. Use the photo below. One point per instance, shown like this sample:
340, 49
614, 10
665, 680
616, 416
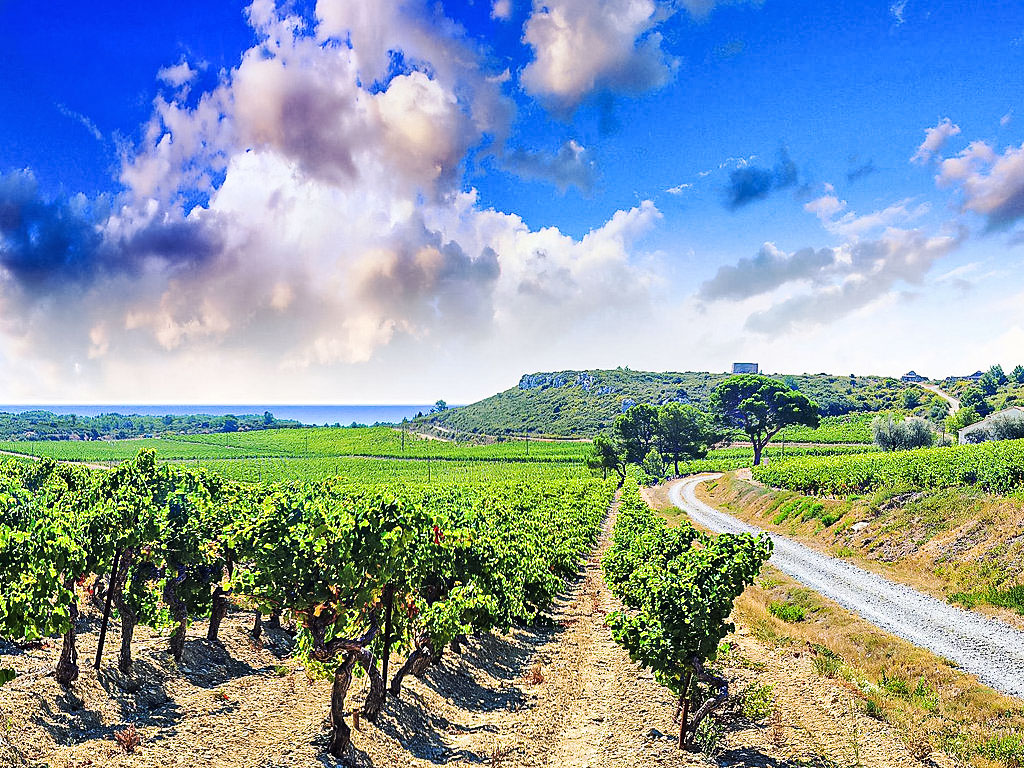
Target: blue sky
304, 201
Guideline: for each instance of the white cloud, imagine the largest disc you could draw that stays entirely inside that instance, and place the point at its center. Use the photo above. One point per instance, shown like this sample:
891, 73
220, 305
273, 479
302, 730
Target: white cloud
678, 189
1006, 119
501, 9
992, 184
897, 9
85, 122
582, 46
334, 229
934, 140
178, 74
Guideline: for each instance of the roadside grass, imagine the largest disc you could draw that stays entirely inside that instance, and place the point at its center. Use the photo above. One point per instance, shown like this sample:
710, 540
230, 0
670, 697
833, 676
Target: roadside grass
961, 545
933, 705
1012, 597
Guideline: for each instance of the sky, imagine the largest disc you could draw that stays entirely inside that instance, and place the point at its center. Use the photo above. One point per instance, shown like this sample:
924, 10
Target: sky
405, 200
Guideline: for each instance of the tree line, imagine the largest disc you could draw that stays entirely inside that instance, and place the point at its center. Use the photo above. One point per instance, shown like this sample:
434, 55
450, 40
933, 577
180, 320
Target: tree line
652, 437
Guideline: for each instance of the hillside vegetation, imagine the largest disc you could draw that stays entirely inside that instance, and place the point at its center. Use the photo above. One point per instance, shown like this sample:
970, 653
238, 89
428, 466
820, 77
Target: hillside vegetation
584, 403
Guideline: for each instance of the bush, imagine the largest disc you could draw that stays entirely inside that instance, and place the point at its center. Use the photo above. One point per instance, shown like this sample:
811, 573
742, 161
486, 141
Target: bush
892, 435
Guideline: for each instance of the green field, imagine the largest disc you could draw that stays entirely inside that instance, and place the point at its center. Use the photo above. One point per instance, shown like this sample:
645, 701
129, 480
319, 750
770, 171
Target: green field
373, 454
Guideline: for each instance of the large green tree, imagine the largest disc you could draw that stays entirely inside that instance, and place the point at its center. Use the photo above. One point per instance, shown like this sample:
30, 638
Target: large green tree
637, 431
607, 453
761, 407
685, 432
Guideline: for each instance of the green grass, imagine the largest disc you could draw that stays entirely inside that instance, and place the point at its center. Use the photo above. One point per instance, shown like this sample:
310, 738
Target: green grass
1010, 597
789, 612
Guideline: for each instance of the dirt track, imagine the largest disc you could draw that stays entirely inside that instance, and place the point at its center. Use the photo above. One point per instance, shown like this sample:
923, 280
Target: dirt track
987, 648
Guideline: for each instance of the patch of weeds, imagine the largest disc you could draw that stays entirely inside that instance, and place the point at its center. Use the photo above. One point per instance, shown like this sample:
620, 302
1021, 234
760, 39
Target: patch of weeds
709, 736
873, 709
845, 552
758, 701
826, 663
894, 686
925, 696
789, 612
1012, 597
767, 634
282, 670
767, 582
1007, 749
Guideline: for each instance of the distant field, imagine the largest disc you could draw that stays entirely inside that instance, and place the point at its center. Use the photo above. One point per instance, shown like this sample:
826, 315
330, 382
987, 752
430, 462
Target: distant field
375, 454
302, 443
851, 428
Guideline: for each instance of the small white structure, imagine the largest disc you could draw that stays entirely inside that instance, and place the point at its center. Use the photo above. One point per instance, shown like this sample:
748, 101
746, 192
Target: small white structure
980, 431
744, 368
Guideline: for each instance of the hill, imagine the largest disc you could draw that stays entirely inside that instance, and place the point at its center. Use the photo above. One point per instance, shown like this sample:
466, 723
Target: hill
583, 403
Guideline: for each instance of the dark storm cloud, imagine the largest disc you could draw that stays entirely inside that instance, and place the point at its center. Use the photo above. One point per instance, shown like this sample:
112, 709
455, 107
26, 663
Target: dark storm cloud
751, 182
47, 245
765, 272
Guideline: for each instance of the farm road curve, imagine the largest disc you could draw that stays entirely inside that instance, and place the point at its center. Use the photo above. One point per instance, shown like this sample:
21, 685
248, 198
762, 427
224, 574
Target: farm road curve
989, 649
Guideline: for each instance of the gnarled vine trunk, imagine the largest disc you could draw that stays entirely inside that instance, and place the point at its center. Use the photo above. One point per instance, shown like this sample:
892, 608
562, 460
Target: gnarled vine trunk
341, 734
702, 675
67, 666
218, 610
179, 612
417, 664
128, 616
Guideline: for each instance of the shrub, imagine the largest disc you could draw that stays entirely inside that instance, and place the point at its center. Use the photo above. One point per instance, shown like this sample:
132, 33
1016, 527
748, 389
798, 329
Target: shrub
892, 435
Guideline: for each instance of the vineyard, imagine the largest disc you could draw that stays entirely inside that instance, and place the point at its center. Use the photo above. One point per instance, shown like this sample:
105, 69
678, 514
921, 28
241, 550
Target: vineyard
851, 428
678, 586
364, 570
997, 467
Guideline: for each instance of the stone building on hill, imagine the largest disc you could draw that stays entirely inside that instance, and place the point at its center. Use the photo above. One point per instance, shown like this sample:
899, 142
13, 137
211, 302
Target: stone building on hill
744, 368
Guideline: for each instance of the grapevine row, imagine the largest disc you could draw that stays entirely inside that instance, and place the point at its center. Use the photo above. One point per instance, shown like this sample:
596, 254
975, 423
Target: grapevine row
677, 586
363, 570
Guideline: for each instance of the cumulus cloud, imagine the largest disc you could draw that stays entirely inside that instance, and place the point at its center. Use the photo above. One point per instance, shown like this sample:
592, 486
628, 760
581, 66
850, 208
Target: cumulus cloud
583, 46
309, 212
501, 9
826, 206
934, 140
571, 166
748, 183
864, 273
992, 183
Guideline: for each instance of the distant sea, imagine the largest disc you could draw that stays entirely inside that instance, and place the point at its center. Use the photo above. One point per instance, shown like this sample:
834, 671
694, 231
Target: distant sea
306, 414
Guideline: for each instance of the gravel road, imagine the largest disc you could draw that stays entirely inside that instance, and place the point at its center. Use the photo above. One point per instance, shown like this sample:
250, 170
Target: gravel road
987, 648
